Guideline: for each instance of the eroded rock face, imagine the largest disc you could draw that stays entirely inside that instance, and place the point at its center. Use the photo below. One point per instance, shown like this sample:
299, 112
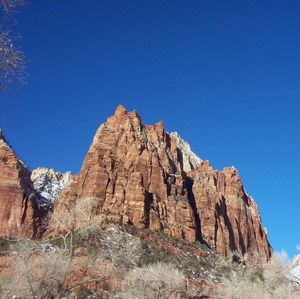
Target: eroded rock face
20, 215
143, 176
136, 174
229, 217
49, 183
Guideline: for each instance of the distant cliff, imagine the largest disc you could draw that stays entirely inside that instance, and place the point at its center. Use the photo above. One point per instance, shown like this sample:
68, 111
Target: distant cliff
49, 183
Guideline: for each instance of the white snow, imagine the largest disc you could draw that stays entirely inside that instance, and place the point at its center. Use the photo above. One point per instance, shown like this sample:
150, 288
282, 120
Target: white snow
294, 272
190, 160
49, 183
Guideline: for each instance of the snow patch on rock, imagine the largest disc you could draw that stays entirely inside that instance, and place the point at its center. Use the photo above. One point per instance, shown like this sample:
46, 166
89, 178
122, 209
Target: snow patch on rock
49, 183
190, 160
294, 272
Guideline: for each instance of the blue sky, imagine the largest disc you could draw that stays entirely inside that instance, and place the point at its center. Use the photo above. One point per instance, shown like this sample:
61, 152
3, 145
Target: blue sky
224, 74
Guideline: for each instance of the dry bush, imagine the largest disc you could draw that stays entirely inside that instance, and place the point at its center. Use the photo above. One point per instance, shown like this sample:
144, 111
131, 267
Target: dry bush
12, 62
154, 281
277, 280
10, 6
76, 215
41, 270
37, 271
241, 282
74, 219
120, 247
255, 280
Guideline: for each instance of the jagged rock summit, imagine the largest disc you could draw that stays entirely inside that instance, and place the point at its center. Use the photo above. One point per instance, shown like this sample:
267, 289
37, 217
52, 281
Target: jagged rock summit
190, 160
20, 215
145, 177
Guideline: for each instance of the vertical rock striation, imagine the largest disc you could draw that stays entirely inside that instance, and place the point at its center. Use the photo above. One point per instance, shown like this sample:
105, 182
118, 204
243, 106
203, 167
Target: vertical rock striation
229, 217
143, 176
135, 172
20, 215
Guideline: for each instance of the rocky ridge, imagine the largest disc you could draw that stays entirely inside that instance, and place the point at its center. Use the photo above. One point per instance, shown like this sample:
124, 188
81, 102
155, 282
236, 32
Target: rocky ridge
190, 160
49, 183
144, 177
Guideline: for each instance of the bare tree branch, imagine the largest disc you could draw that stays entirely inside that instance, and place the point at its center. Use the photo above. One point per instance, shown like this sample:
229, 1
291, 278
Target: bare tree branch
12, 61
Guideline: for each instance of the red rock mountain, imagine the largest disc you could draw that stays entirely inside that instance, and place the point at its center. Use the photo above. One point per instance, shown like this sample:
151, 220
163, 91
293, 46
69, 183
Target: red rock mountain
142, 176
20, 215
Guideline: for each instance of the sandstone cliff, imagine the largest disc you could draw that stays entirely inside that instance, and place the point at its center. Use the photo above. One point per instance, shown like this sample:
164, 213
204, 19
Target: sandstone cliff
20, 215
143, 176
228, 217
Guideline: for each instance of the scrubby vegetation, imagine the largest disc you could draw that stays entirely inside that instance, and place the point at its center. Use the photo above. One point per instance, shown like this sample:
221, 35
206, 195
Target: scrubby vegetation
92, 260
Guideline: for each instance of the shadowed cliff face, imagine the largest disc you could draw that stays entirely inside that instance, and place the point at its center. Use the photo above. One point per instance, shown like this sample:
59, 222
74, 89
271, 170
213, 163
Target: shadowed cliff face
229, 216
20, 215
138, 175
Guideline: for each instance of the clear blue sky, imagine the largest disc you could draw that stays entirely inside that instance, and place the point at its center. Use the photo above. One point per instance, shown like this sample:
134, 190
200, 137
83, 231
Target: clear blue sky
224, 74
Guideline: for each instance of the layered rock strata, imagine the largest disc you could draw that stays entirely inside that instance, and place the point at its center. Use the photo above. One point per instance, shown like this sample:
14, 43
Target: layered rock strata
20, 214
142, 176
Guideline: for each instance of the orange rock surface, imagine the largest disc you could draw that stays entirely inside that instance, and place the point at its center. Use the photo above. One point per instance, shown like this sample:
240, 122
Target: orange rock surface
20, 215
136, 173
228, 217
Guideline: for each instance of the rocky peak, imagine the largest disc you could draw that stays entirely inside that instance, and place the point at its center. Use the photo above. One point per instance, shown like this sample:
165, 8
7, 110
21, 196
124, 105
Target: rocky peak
140, 176
120, 111
190, 160
3, 141
49, 183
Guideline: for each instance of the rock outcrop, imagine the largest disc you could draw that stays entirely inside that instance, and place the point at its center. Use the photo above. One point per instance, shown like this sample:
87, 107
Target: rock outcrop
190, 160
143, 176
20, 214
135, 172
49, 183
228, 217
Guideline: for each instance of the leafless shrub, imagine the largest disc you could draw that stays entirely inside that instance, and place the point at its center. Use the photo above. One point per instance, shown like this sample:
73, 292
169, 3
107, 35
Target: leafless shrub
251, 281
12, 61
41, 270
76, 216
119, 247
74, 219
35, 272
277, 280
10, 6
154, 281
